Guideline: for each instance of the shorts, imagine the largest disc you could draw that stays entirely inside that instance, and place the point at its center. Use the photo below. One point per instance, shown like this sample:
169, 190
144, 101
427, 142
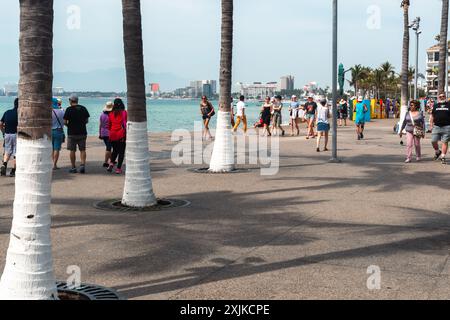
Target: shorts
360, 122
323, 127
294, 114
277, 119
107, 143
342, 115
10, 144
57, 139
310, 116
440, 134
74, 141
204, 117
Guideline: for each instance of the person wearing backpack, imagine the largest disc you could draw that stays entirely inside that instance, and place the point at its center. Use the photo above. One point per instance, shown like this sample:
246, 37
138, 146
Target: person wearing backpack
117, 135
58, 136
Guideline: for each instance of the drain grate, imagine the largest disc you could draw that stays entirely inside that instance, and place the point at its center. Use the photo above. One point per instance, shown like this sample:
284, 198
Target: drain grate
206, 171
162, 204
86, 292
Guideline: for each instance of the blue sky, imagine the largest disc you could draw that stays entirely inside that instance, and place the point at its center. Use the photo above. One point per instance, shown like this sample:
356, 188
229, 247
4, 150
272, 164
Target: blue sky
272, 37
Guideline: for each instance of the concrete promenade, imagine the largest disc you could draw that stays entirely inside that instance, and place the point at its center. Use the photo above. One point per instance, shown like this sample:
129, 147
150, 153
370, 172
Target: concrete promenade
309, 232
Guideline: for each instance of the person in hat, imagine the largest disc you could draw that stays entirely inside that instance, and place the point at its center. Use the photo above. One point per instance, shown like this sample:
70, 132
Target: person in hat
76, 118
342, 112
103, 131
360, 120
58, 136
294, 109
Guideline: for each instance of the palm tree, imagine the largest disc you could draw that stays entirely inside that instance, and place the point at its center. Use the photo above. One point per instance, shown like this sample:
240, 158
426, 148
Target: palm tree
387, 68
405, 59
357, 75
443, 47
28, 273
222, 159
138, 189
378, 81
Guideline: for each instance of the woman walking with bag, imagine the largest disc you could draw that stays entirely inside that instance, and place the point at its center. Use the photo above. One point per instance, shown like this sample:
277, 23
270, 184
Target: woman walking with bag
207, 111
414, 126
117, 135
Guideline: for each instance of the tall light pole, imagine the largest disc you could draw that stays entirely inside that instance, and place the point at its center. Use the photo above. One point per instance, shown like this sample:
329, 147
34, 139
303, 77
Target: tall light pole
334, 82
416, 26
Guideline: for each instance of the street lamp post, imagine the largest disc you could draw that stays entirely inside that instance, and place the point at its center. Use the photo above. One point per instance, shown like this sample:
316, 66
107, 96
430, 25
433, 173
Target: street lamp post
334, 82
416, 26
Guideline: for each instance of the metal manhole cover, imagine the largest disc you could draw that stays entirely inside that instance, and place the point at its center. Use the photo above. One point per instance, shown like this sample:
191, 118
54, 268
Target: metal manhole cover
116, 205
86, 292
206, 171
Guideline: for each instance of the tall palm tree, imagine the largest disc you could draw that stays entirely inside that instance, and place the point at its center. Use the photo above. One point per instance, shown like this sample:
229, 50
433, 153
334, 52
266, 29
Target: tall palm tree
138, 189
387, 68
443, 47
378, 81
28, 273
405, 59
357, 75
222, 159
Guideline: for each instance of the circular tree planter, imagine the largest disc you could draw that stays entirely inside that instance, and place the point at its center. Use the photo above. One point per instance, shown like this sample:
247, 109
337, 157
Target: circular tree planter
162, 204
86, 292
206, 171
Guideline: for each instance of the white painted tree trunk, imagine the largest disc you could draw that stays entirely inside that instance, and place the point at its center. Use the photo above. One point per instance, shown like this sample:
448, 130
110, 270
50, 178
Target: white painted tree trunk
28, 273
403, 112
138, 189
222, 159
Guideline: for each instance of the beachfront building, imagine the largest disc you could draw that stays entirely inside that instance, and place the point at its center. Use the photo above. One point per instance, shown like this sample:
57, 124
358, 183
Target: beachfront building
154, 89
258, 90
432, 69
11, 89
287, 83
58, 91
204, 87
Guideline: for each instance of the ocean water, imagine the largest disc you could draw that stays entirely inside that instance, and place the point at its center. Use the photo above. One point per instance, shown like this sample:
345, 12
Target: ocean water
163, 115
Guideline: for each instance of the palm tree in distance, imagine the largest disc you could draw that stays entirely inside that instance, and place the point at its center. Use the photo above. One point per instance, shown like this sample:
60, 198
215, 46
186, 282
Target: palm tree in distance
443, 48
222, 159
357, 73
28, 273
138, 189
387, 68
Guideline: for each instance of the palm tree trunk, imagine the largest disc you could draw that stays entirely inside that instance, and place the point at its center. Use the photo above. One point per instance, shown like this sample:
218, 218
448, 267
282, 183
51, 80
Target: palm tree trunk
28, 273
443, 48
222, 159
405, 62
138, 189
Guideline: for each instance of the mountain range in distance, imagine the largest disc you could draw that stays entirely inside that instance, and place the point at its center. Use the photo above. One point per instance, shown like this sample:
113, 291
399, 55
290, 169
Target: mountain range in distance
106, 80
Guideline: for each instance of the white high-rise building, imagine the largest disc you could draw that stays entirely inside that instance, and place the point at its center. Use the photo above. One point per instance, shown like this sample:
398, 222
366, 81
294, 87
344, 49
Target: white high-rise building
287, 83
210, 87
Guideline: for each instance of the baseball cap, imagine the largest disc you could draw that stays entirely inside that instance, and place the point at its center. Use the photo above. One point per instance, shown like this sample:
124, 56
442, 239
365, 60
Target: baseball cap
73, 97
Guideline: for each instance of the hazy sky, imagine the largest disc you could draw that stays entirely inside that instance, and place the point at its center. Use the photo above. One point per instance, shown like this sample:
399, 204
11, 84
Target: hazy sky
272, 37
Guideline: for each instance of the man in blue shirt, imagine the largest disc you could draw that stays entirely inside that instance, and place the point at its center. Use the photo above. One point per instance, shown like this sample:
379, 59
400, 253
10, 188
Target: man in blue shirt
8, 126
360, 120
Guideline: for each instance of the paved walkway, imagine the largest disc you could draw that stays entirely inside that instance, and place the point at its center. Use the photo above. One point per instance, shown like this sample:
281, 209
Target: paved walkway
309, 232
